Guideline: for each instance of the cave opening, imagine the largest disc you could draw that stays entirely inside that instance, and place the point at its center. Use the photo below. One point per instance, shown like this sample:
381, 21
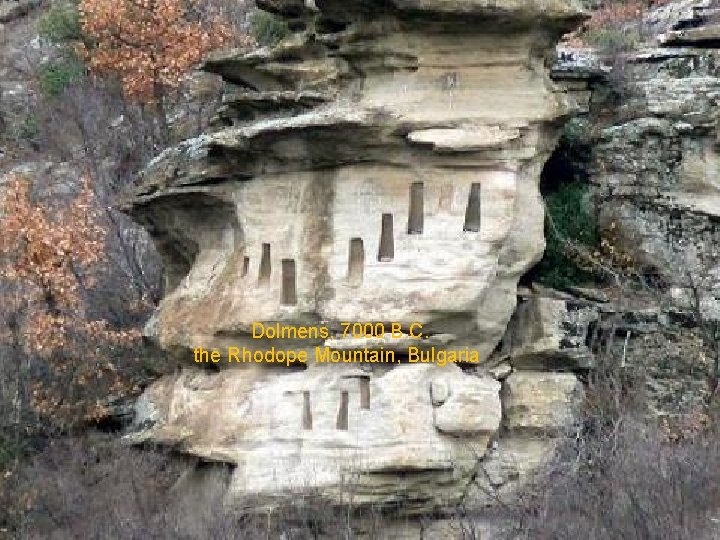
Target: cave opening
570, 215
570, 161
342, 417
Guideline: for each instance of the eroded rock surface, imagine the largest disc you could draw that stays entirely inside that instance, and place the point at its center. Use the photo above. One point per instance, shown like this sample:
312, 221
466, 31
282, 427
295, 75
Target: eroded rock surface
334, 432
434, 129
381, 164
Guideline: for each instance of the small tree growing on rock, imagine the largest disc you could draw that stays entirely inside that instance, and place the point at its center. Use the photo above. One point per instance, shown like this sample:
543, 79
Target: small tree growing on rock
149, 45
46, 263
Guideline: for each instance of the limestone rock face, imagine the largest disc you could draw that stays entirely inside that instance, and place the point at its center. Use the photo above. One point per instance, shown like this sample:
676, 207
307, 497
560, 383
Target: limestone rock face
540, 402
394, 167
331, 431
379, 165
656, 160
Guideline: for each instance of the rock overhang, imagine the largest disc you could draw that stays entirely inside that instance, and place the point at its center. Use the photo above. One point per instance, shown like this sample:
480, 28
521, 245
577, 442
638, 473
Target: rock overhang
381, 176
526, 12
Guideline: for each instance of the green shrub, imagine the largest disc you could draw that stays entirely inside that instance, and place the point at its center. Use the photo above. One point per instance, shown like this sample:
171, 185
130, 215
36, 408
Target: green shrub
61, 24
28, 129
57, 75
569, 220
267, 29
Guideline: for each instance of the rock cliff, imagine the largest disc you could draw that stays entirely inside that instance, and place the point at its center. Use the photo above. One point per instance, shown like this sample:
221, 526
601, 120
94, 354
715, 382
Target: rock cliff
381, 164
656, 161
654, 172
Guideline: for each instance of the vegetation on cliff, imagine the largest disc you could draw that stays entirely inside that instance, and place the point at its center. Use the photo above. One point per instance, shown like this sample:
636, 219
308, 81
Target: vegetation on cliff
79, 116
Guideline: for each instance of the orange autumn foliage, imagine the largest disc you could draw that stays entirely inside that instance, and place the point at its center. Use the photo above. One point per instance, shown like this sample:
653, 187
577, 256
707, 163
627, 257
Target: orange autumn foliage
149, 44
45, 251
46, 259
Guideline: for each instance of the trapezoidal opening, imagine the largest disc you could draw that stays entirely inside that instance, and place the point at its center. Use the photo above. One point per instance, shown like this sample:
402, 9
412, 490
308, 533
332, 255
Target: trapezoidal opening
264, 274
416, 214
386, 253
356, 262
472, 214
289, 289
307, 411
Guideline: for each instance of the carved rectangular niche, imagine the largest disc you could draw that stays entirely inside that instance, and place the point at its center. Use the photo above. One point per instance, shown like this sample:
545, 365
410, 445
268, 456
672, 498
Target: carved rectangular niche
364, 393
307, 412
472, 214
289, 289
356, 262
342, 417
245, 266
264, 274
416, 214
386, 253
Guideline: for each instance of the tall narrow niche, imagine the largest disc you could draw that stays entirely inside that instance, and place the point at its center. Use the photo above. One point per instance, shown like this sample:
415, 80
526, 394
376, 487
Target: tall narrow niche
289, 290
307, 411
342, 417
472, 214
416, 214
365, 393
386, 253
356, 262
264, 274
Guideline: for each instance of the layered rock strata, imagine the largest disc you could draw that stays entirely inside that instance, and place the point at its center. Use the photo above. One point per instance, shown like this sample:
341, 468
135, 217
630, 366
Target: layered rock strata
379, 165
656, 158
